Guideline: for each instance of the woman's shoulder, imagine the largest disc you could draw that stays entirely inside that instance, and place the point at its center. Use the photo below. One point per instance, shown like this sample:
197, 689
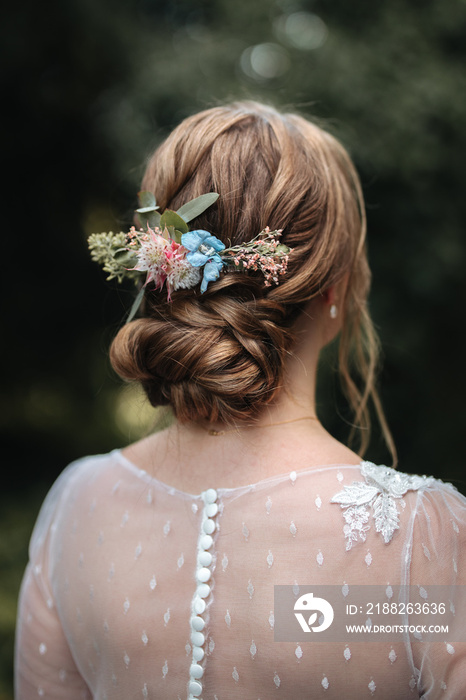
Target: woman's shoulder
389, 499
79, 476
85, 469
390, 483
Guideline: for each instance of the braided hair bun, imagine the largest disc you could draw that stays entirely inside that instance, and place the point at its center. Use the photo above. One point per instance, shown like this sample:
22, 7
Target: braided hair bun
220, 356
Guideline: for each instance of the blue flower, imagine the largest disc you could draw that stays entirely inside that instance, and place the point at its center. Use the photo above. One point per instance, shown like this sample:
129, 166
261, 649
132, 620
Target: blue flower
202, 246
203, 251
211, 271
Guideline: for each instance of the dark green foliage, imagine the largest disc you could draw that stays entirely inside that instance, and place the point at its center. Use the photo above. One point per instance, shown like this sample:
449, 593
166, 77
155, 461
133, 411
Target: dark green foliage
89, 88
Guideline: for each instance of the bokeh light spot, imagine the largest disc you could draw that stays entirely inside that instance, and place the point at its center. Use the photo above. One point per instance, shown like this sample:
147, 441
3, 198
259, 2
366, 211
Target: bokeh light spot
265, 61
301, 30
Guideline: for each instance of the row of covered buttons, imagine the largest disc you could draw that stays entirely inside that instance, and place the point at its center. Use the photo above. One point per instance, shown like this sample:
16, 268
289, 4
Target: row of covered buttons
203, 575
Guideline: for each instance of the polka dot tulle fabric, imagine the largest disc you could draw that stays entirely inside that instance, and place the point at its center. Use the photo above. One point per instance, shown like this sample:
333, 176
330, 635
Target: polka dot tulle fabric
138, 590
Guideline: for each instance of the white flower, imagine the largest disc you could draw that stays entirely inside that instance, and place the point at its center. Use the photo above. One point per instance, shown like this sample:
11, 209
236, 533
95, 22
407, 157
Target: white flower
181, 274
152, 257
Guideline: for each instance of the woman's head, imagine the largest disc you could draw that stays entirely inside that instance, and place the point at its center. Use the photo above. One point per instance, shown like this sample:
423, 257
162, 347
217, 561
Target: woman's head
270, 169
221, 356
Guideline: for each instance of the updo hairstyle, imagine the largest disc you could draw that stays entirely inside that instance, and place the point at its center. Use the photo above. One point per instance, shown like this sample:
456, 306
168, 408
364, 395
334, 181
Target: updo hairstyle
220, 356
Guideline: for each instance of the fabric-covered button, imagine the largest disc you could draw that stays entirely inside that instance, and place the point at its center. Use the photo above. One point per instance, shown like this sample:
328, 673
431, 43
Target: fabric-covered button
195, 688
197, 638
210, 496
203, 590
206, 542
203, 574
211, 510
198, 653
208, 526
199, 606
205, 558
197, 623
196, 671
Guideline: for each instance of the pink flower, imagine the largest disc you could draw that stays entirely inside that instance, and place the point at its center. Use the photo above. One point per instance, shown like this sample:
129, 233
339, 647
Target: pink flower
179, 273
152, 257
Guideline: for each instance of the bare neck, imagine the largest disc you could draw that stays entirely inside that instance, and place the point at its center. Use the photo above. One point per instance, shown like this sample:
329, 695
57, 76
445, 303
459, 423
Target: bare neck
287, 435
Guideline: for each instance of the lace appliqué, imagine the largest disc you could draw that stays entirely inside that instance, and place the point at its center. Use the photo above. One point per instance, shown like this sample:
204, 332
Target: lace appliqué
380, 490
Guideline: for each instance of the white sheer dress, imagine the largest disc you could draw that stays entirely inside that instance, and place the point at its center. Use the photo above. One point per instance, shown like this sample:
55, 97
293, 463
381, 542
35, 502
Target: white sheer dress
137, 590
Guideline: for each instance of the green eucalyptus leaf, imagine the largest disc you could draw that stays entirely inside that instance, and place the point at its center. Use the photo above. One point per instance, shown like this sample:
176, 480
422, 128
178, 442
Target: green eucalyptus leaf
146, 201
176, 236
136, 305
170, 232
196, 206
171, 218
152, 219
144, 210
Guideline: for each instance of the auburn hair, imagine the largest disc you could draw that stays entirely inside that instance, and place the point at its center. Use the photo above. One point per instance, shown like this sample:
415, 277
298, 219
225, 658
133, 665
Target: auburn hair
220, 356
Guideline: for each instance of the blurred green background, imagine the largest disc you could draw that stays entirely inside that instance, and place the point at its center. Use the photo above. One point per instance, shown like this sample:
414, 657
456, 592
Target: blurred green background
89, 88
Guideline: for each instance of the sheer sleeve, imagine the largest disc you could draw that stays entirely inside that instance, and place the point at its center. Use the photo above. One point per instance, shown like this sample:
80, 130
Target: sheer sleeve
44, 666
107, 601
438, 558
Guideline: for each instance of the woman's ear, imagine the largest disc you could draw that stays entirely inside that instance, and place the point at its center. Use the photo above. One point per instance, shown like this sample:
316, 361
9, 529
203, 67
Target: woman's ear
333, 300
330, 300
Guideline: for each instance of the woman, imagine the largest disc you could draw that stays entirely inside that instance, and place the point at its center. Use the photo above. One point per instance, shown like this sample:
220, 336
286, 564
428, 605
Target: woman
153, 568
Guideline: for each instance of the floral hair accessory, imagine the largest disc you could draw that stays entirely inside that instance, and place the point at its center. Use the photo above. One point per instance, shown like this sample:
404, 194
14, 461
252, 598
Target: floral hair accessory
169, 253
